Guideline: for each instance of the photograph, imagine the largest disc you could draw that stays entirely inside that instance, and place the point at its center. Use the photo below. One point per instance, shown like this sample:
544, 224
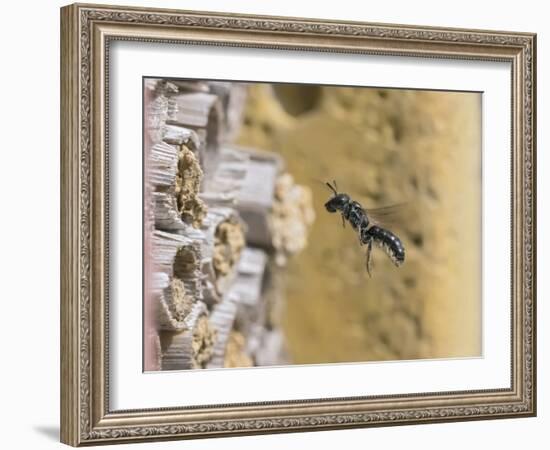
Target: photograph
278, 224
294, 224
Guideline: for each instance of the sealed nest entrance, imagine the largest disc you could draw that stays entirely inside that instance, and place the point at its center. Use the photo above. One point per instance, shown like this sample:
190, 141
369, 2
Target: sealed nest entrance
204, 337
291, 216
192, 347
235, 351
188, 179
186, 264
182, 301
228, 244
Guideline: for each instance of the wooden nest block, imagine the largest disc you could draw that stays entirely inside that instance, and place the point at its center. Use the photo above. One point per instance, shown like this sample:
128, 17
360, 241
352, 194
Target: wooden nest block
224, 242
157, 352
174, 304
198, 110
249, 287
277, 211
191, 85
202, 112
274, 295
188, 182
245, 291
255, 319
235, 351
176, 176
233, 98
221, 319
256, 196
192, 347
178, 135
178, 281
271, 350
173, 166
153, 361
163, 165
160, 281
166, 246
222, 186
161, 107
250, 274
228, 244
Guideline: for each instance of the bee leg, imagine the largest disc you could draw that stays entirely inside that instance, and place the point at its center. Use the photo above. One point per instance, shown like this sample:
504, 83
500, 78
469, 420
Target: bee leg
369, 257
343, 221
363, 236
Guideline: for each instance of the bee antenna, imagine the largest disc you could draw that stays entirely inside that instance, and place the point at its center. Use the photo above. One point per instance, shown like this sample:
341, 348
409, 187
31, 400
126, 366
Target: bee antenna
331, 188
335, 185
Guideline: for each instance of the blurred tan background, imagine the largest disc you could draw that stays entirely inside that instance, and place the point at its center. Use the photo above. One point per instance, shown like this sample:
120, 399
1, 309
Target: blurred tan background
382, 146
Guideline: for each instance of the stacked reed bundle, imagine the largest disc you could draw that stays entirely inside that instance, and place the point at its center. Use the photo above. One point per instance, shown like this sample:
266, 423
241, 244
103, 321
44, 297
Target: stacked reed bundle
225, 220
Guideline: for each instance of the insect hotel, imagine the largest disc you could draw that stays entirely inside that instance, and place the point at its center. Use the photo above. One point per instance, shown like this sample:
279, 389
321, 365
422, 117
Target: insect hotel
220, 223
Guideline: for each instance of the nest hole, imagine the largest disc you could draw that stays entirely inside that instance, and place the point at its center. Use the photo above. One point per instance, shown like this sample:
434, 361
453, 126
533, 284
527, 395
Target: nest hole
298, 99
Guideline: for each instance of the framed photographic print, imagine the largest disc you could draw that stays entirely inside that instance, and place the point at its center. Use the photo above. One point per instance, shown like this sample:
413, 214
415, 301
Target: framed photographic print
275, 224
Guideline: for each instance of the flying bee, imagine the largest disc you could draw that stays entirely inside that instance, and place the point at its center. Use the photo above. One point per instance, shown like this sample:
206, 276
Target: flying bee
368, 233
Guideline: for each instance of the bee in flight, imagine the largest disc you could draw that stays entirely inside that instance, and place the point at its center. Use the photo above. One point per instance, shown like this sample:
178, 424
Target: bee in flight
356, 215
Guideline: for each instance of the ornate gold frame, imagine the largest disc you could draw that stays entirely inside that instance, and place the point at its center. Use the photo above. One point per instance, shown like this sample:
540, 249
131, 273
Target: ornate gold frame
86, 31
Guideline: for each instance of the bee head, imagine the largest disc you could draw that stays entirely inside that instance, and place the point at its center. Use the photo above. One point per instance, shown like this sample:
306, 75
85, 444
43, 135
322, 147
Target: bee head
337, 201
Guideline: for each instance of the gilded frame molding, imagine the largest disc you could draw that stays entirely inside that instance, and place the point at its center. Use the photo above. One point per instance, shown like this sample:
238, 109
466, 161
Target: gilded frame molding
86, 31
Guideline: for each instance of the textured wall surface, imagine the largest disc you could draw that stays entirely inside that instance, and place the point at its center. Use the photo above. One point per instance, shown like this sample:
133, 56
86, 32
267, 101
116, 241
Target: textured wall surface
382, 147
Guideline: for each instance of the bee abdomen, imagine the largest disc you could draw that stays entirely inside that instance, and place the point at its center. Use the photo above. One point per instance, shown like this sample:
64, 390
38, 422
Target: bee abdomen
390, 243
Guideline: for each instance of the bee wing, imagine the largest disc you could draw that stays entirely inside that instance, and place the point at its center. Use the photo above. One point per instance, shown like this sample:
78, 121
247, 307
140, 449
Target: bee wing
387, 215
